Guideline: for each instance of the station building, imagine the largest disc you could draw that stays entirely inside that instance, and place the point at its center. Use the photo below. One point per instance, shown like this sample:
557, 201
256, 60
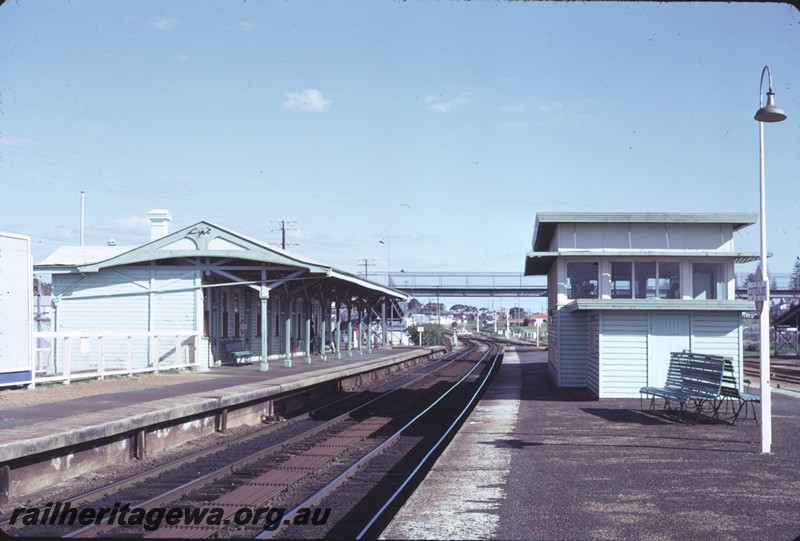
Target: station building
197, 297
626, 289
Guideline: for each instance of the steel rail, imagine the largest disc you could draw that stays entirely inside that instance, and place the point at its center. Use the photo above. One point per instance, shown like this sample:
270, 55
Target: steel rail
779, 372
339, 479
98, 529
454, 425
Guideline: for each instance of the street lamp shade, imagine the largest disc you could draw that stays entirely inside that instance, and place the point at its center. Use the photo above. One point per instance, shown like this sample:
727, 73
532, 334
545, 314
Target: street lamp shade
770, 112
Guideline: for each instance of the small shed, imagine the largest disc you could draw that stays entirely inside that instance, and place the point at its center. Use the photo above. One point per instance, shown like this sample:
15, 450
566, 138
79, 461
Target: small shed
626, 289
195, 297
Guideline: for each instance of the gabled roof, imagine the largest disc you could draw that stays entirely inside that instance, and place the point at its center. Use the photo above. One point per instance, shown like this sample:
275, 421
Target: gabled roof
201, 240
74, 256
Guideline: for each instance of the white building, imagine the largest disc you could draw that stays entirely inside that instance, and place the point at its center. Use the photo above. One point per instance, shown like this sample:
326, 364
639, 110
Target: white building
626, 289
194, 297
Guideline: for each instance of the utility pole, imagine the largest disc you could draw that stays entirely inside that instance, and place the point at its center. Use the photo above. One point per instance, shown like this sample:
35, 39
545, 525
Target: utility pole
83, 203
366, 263
283, 229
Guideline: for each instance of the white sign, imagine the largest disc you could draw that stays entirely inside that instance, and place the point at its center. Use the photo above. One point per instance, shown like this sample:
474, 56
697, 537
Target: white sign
420, 329
757, 291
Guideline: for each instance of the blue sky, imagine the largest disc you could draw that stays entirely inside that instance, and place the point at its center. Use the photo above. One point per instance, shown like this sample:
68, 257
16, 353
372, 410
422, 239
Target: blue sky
441, 126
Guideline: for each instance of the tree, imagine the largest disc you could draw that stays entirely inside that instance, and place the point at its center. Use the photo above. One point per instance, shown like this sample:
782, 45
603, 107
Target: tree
433, 308
414, 306
42, 288
794, 279
433, 335
517, 313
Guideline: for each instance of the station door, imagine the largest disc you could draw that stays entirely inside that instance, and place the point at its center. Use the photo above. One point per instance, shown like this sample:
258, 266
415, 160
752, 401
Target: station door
668, 333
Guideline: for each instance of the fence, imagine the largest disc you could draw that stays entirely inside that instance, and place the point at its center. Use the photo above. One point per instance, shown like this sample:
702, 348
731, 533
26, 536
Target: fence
66, 356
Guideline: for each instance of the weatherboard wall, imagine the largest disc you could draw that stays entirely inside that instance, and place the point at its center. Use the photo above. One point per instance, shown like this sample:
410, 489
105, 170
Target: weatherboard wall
613, 347
132, 300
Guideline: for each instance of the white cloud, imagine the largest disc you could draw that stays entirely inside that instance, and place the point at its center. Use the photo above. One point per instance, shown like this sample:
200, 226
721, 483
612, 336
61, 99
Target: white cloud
549, 107
515, 107
163, 24
557, 113
311, 101
514, 125
445, 104
241, 25
182, 58
17, 141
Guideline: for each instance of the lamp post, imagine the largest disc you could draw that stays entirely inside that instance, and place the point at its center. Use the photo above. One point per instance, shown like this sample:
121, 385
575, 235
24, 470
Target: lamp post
766, 113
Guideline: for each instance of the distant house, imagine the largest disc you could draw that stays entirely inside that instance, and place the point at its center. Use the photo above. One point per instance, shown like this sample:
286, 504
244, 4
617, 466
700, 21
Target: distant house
193, 297
626, 289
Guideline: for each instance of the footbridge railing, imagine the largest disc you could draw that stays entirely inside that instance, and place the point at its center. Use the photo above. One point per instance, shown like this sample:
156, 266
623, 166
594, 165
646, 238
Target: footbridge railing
464, 284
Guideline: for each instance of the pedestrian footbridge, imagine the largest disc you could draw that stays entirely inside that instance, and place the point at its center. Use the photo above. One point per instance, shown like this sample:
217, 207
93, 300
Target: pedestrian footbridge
516, 284
464, 284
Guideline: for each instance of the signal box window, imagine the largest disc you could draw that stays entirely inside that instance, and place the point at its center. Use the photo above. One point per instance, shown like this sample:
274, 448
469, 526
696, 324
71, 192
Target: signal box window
708, 281
621, 280
582, 280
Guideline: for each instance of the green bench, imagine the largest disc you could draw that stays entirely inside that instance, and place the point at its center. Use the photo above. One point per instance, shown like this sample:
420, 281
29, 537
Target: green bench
731, 395
237, 353
693, 379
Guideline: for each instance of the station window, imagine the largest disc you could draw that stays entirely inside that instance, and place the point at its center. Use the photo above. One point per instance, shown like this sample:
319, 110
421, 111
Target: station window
237, 320
621, 280
582, 280
669, 280
645, 280
708, 281
224, 315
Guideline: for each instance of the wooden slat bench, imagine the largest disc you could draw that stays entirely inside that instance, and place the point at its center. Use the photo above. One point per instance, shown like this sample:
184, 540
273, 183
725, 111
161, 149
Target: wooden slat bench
730, 392
692, 378
237, 353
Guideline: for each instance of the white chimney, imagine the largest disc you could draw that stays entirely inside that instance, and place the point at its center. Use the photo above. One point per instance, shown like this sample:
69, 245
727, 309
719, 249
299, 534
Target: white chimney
159, 223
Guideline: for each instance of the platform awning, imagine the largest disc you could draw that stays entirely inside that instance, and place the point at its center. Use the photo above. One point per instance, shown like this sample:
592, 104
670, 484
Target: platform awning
671, 305
539, 263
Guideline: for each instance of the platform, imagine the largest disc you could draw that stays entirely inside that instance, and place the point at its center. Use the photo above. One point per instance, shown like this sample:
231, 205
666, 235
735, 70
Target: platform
68, 424
532, 462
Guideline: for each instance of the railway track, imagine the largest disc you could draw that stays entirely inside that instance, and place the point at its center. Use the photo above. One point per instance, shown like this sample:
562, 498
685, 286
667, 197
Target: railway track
377, 490
781, 370
274, 478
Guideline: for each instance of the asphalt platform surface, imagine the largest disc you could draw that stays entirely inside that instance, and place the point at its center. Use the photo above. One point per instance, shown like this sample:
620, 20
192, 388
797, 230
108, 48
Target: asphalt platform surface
118, 397
533, 462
